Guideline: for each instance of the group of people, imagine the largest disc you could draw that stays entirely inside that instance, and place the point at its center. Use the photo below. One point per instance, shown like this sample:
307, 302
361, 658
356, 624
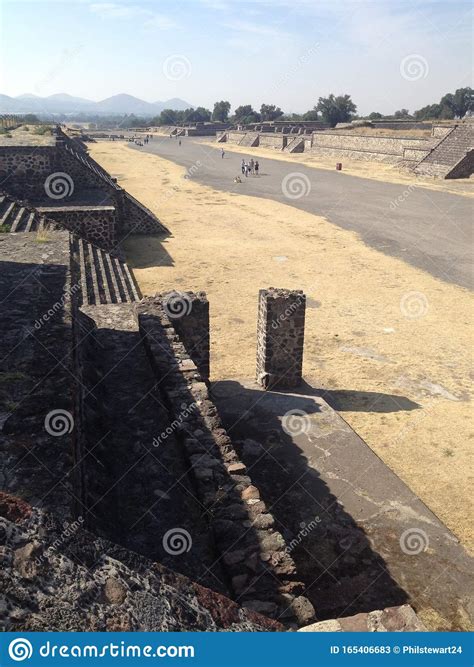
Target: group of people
250, 167
140, 141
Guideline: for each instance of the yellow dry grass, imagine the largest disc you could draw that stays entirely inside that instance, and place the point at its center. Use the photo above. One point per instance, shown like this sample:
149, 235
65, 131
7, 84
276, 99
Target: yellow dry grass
360, 339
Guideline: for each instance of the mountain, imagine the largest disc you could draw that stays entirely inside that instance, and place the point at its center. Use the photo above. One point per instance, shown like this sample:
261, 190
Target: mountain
175, 103
62, 103
126, 104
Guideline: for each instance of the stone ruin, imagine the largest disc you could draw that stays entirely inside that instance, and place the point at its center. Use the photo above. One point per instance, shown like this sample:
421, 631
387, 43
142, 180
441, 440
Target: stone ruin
124, 502
448, 153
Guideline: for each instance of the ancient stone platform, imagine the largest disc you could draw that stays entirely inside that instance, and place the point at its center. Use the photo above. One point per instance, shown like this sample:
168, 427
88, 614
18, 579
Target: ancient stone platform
364, 540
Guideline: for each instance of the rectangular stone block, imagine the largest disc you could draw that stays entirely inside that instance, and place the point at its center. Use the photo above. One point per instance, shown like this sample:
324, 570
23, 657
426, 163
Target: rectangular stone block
280, 338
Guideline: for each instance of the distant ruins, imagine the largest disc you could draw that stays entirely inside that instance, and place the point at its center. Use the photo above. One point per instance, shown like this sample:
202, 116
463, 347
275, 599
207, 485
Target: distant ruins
125, 504
449, 153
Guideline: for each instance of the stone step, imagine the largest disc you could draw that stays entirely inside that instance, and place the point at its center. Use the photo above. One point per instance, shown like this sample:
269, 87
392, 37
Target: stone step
104, 279
6, 214
17, 219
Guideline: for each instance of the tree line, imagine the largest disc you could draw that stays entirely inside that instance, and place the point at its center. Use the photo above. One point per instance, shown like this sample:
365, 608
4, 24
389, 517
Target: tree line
331, 110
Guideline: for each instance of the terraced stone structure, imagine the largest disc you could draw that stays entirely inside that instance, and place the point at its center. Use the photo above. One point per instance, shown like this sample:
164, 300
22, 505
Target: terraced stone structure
62, 182
124, 503
448, 153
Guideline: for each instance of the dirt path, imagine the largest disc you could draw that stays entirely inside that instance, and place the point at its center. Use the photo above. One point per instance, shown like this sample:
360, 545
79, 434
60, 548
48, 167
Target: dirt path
389, 342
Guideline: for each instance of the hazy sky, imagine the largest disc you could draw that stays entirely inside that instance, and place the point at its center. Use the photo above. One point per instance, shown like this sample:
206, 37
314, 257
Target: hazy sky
387, 55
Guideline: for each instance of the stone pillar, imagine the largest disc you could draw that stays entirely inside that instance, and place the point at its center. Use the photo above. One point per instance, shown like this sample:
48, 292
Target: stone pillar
280, 337
189, 314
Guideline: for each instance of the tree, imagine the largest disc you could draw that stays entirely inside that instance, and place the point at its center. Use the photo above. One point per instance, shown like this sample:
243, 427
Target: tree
336, 109
312, 114
168, 117
402, 113
375, 115
429, 112
270, 112
463, 101
198, 115
221, 111
245, 115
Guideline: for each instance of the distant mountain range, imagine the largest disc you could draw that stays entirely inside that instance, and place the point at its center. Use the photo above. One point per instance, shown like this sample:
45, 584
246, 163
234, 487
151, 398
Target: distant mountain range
62, 103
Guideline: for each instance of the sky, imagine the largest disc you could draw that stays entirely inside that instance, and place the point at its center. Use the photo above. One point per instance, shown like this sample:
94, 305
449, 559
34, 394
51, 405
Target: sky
386, 54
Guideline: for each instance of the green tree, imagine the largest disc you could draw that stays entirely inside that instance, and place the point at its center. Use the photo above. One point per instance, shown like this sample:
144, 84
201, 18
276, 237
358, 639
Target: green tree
168, 117
431, 111
312, 114
270, 112
336, 109
375, 115
221, 111
198, 115
245, 114
402, 113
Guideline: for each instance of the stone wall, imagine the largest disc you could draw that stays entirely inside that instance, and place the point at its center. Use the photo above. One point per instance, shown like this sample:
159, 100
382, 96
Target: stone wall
277, 141
24, 169
97, 224
261, 572
189, 314
280, 338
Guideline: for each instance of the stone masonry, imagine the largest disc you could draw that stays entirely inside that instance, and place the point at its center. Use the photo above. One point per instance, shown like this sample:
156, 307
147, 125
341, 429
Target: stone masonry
189, 315
280, 337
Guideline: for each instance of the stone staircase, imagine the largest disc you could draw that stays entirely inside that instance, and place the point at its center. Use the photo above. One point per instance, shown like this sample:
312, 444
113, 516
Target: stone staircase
103, 278
295, 145
452, 155
249, 139
16, 216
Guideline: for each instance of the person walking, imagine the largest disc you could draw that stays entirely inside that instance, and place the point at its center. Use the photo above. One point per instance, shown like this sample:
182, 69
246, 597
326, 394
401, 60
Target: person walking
222, 153
256, 167
247, 169
243, 166
179, 144
251, 165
